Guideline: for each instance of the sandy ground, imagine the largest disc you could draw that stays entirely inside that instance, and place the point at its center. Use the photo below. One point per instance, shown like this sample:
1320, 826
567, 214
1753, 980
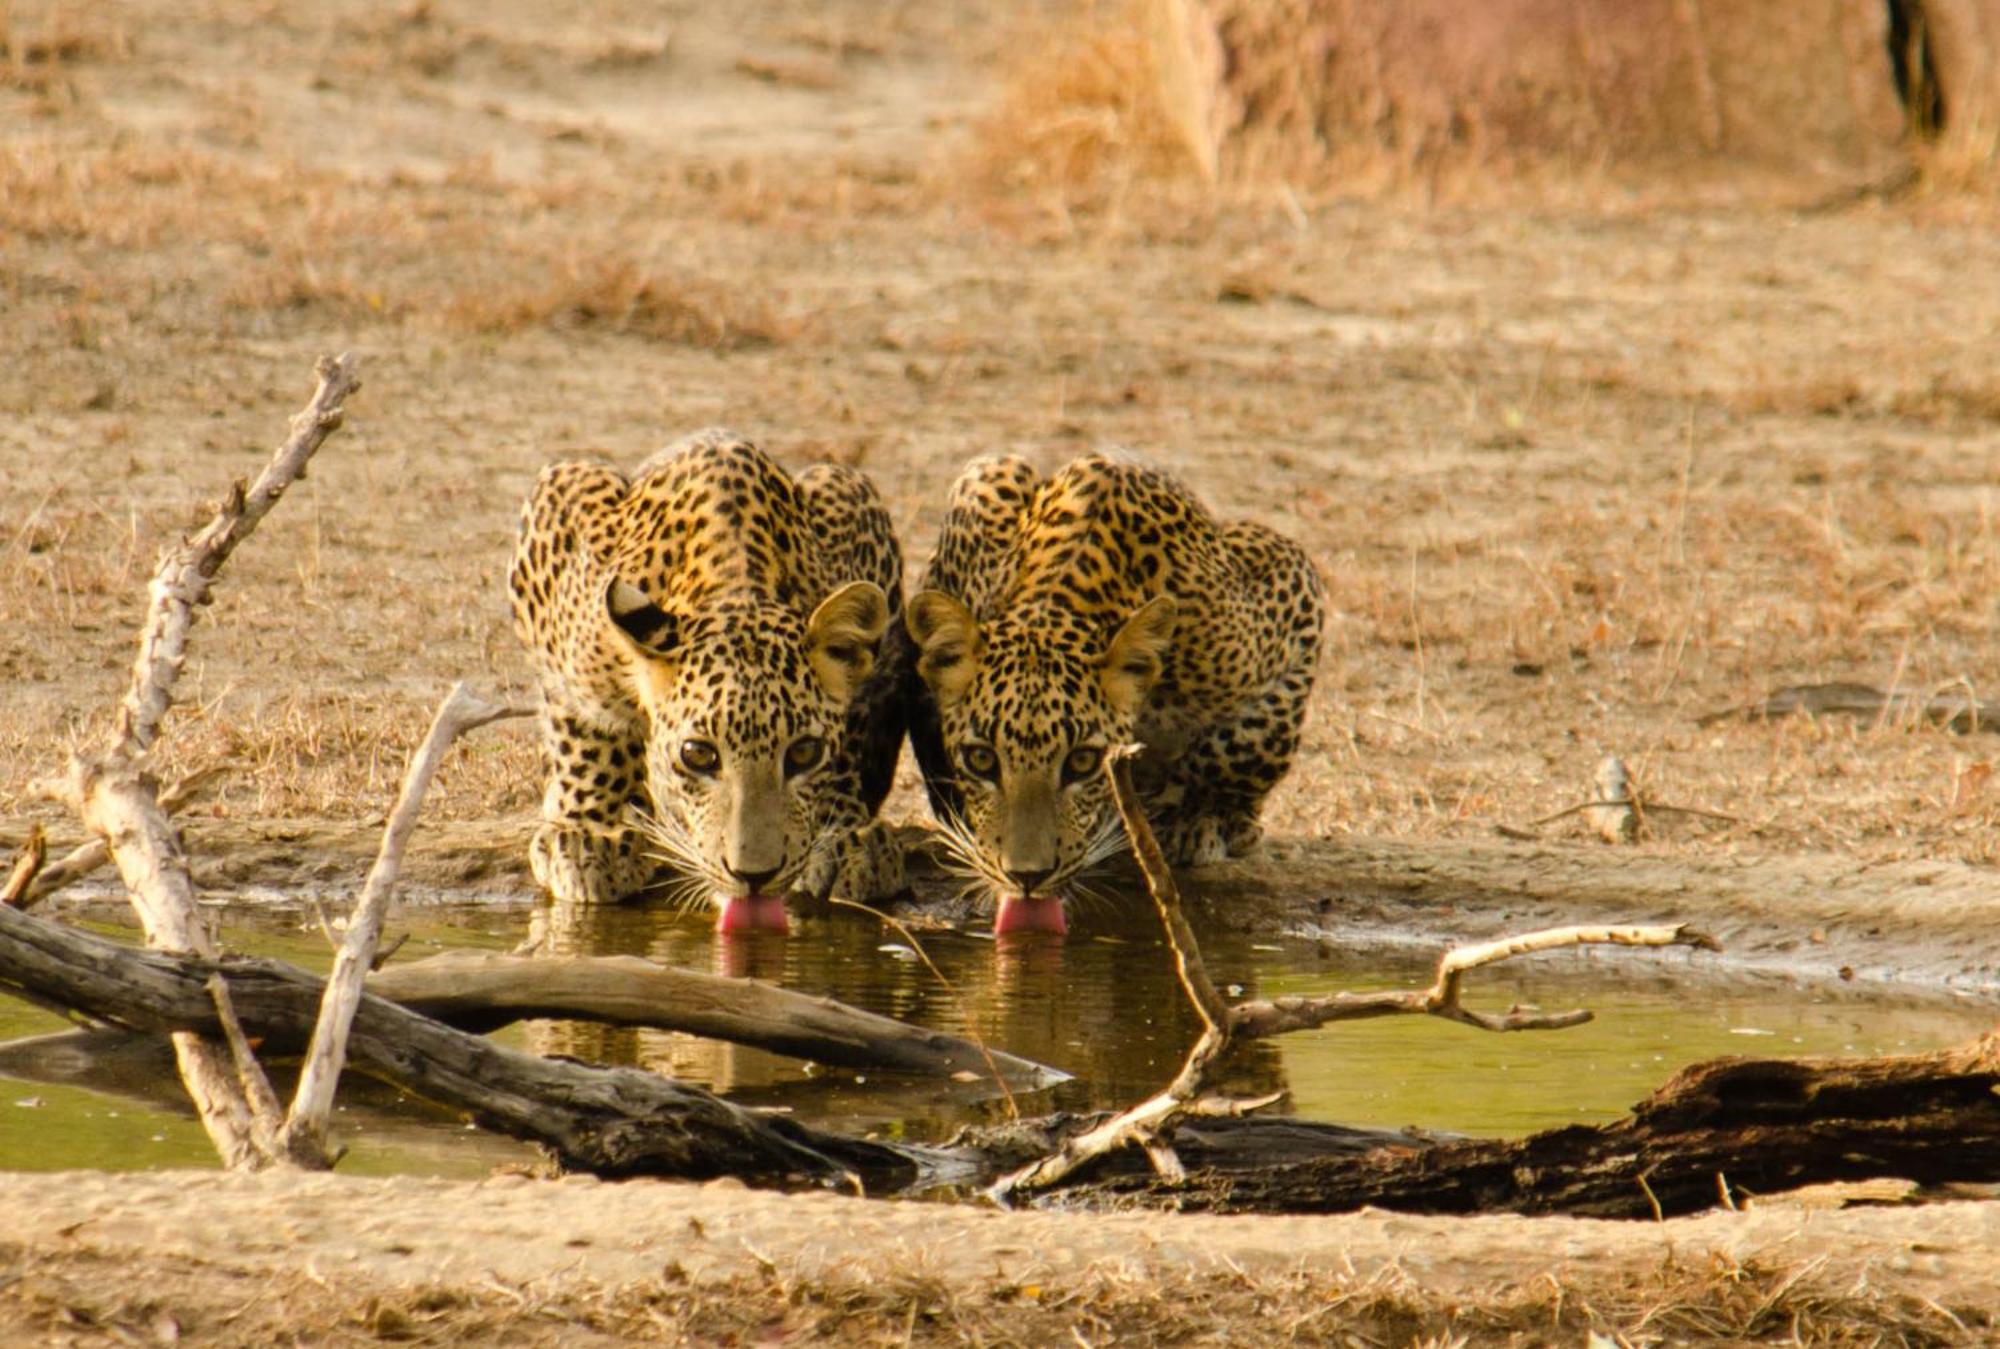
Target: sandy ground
235, 1259
1577, 476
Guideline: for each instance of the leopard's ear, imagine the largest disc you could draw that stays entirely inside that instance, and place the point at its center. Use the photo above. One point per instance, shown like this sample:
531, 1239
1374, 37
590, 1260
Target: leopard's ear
948, 641
651, 630
1136, 655
841, 636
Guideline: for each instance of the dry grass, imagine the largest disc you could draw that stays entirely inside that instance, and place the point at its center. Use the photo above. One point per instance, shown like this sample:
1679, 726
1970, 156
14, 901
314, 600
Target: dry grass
1723, 1301
1081, 125
1626, 628
626, 296
468, 253
1521, 100
42, 44
1575, 481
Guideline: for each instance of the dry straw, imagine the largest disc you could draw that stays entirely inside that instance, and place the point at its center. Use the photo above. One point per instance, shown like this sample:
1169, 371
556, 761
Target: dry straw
1438, 94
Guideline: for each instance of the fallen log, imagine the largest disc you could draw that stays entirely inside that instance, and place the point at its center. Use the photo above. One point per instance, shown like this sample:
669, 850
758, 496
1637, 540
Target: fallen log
1718, 1131
1151, 1124
610, 1121
1716, 1134
1777, 1124
479, 991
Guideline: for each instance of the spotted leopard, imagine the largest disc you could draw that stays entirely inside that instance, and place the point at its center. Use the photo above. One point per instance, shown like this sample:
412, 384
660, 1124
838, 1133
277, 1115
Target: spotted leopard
1102, 605
715, 714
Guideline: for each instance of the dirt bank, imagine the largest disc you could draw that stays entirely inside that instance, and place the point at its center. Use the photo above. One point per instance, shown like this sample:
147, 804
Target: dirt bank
1810, 916
242, 1260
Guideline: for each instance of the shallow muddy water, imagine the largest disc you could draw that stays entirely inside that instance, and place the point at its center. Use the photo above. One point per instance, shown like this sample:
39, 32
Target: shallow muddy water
1102, 1005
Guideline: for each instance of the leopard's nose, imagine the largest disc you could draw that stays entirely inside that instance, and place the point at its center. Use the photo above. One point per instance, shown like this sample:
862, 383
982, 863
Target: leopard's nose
754, 881
1029, 880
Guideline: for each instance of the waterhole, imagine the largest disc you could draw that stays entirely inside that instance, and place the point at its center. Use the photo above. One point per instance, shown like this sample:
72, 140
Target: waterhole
1102, 1005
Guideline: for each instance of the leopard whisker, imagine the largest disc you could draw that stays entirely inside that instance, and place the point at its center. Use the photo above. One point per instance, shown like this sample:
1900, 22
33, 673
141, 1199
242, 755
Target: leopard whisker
673, 845
689, 893
1087, 898
961, 844
1108, 842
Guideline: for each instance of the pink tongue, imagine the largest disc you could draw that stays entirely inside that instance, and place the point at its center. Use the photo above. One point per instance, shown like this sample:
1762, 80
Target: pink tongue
749, 913
1029, 913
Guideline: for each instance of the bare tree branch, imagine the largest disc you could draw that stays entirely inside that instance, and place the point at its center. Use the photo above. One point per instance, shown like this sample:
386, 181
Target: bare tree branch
91, 854
119, 801
1166, 895
266, 1115
1279, 1015
304, 1135
1150, 1123
26, 866
182, 581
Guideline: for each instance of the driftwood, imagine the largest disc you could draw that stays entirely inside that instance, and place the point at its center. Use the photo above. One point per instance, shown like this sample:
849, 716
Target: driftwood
1728, 1128
118, 800
611, 1121
1717, 1134
303, 1137
476, 991
1150, 1124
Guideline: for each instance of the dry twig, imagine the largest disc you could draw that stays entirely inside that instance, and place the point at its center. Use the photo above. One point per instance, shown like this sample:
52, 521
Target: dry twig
1953, 705
1618, 812
1149, 1123
26, 866
118, 799
303, 1138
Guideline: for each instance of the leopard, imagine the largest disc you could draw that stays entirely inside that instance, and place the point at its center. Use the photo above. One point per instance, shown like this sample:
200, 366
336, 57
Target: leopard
1100, 606
717, 720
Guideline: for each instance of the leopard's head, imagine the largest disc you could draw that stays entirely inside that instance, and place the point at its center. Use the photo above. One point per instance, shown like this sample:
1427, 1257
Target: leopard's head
1028, 704
744, 706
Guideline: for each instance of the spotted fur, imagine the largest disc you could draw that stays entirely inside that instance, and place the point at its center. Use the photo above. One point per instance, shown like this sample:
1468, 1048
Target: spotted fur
1102, 606
708, 635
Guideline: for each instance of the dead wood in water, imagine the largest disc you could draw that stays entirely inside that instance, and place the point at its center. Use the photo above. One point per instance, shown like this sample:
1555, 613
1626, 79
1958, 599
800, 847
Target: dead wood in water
1150, 1125
115, 795
611, 1121
478, 991
303, 1137
1735, 1126
1757, 1125
1717, 1134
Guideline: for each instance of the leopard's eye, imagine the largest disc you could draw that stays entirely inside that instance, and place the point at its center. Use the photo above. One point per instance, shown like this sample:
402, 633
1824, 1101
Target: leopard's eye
804, 754
698, 756
981, 762
1082, 762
